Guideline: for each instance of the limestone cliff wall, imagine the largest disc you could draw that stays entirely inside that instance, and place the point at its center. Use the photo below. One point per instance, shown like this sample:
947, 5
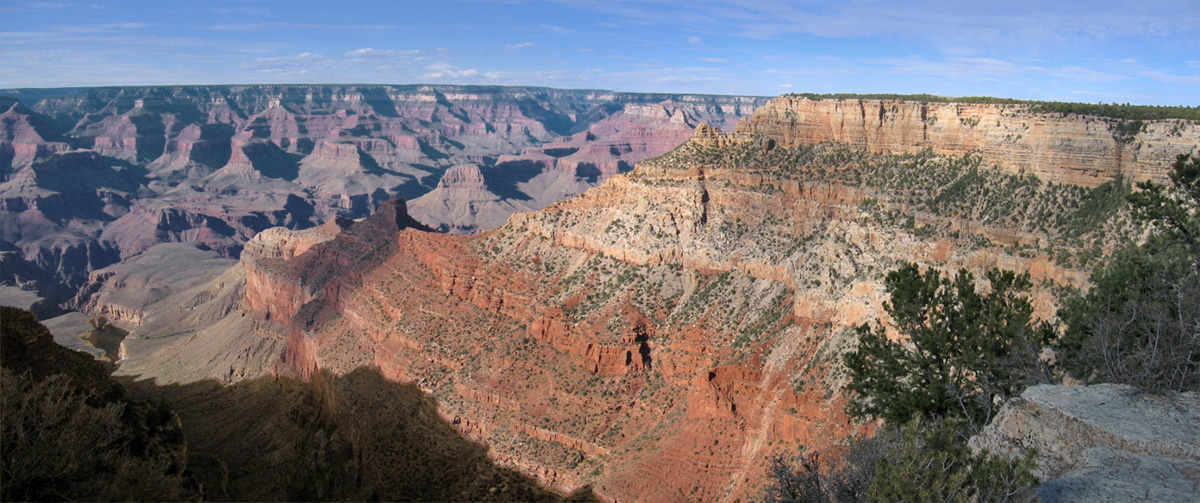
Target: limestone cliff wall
1075, 149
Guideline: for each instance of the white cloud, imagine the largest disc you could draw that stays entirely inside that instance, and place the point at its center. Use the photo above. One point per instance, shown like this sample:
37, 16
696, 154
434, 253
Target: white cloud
683, 79
300, 64
389, 53
990, 69
307, 26
242, 11
451, 74
533, 78
556, 29
695, 40
514, 47
1171, 79
714, 60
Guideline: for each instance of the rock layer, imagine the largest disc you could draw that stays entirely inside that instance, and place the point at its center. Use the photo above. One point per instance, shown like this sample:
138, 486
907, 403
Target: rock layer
98, 175
1074, 149
659, 336
1104, 442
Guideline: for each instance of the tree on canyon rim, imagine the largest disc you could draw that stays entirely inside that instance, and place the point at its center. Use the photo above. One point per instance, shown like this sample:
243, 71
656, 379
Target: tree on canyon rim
962, 354
1139, 324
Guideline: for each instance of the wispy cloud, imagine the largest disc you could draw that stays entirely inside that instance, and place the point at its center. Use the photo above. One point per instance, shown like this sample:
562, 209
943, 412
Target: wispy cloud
513, 77
300, 64
369, 52
242, 11
515, 47
1173, 79
302, 26
556, 29
450, 74
982, 69
695, 40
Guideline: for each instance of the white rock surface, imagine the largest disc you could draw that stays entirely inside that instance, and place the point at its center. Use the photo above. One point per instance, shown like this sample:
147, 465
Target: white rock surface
1105, 442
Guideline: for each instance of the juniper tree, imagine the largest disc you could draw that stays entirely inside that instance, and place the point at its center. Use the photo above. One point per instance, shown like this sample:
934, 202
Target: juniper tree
960, 354
1139, 324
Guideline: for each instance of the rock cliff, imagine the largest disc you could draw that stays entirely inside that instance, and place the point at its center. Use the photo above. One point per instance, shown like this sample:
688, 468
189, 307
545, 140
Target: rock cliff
660, 335
1073, 149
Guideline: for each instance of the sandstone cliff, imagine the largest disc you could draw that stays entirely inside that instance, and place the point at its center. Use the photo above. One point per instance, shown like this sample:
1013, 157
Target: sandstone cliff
1074, 149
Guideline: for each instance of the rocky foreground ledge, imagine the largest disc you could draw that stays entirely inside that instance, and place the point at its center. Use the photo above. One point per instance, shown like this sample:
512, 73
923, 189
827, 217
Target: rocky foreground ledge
1103, 443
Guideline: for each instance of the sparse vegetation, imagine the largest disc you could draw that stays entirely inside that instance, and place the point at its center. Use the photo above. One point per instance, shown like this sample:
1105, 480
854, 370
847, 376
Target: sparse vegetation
1140, 322
1113, 110
923, 461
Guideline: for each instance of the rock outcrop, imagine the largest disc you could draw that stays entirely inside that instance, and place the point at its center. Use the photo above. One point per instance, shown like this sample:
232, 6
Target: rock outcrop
1103, 442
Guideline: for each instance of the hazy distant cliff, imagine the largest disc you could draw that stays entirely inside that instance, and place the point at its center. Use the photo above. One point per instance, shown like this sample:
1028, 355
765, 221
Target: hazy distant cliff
89, 177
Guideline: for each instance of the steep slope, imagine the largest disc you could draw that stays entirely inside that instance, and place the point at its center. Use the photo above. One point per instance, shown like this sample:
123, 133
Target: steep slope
661, 335
72, 432
96, 176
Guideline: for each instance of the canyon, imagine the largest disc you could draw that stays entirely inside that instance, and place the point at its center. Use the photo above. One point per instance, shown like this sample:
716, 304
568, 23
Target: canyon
657, 336
90, 177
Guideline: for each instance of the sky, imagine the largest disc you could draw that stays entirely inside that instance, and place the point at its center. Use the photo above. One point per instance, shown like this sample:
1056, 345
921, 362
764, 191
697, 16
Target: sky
1124, 51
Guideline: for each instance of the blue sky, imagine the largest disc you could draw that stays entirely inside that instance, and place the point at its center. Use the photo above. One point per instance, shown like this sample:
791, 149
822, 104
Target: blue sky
1137, 51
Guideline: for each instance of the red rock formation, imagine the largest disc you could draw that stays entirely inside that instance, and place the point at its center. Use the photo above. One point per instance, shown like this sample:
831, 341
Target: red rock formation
658, 336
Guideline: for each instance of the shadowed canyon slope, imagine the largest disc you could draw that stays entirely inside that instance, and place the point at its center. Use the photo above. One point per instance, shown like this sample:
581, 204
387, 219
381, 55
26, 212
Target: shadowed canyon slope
662, 334
91, 177
70, 431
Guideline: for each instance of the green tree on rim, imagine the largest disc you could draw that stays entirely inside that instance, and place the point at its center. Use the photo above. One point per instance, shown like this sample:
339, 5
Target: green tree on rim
962, 353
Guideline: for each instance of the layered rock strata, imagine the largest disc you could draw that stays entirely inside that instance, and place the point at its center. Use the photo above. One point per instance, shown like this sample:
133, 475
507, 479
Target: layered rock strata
661, 335
1072, 149
94, 176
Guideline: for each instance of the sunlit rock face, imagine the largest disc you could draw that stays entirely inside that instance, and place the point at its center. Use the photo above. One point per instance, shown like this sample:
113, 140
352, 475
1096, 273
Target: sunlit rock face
662, 334
1072, 149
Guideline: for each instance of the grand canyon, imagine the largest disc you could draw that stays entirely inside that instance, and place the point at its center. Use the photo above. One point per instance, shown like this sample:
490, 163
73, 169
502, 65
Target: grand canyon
642, 297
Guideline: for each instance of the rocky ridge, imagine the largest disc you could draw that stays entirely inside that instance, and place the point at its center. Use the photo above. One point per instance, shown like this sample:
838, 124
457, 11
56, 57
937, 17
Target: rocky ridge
662, 334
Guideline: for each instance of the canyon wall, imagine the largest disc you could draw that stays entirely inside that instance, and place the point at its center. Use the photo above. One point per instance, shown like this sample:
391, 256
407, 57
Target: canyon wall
661, 335
1073, 149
